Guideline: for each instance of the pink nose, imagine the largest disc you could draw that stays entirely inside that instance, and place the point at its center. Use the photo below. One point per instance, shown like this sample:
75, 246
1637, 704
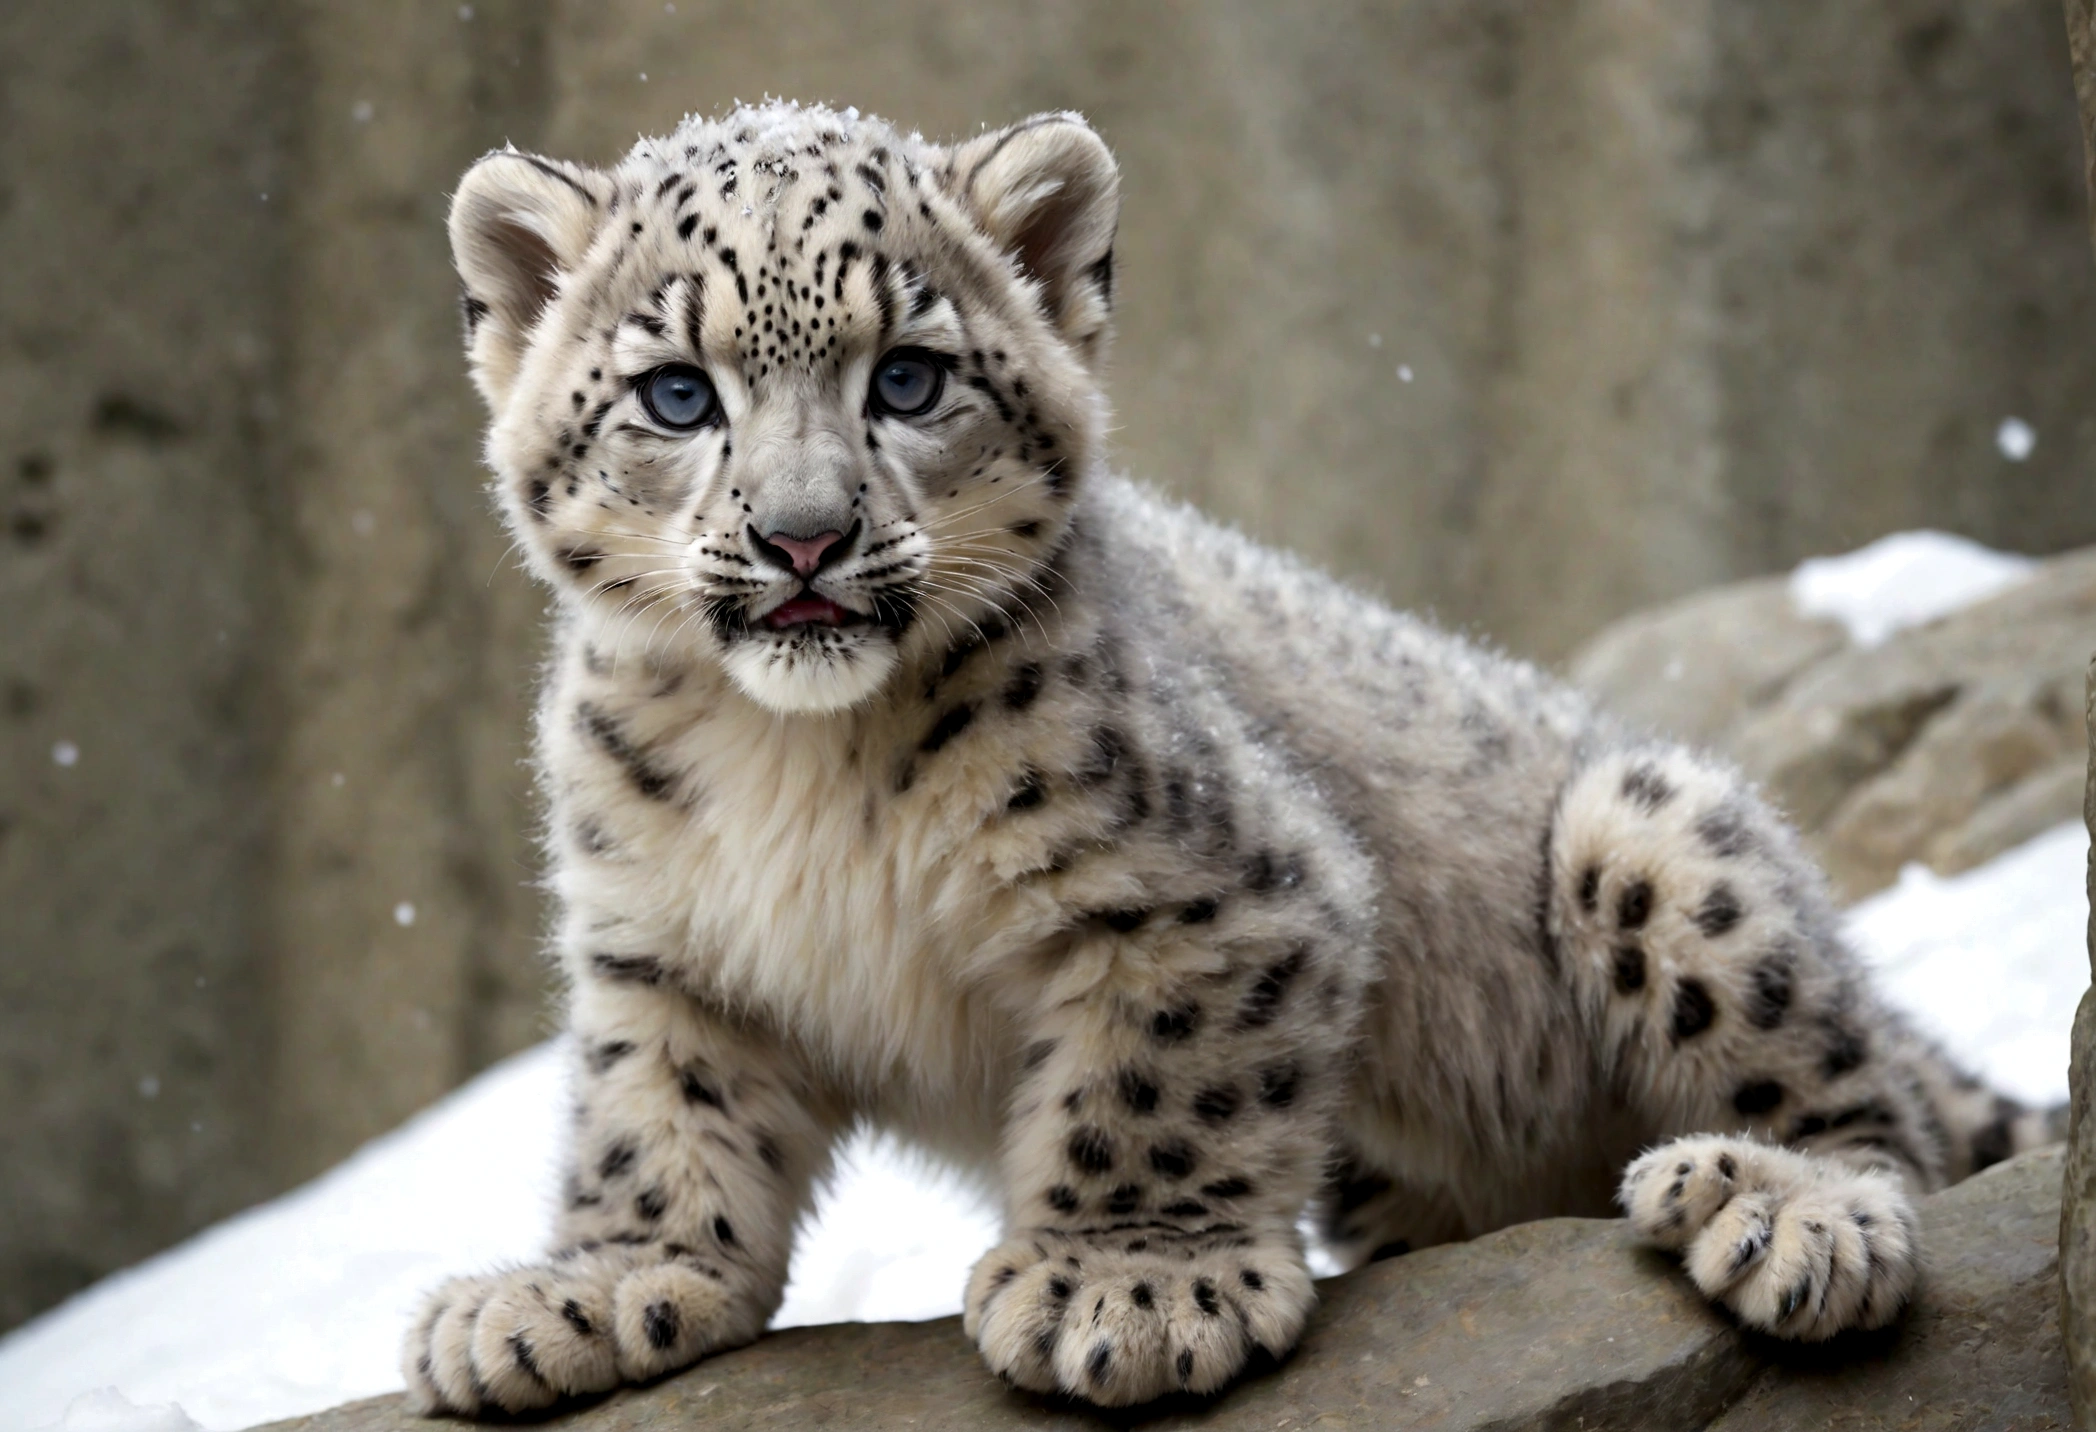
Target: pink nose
806, 552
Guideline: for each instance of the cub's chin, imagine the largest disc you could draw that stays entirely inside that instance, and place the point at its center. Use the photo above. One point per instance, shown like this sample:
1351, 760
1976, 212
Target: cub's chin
811, 670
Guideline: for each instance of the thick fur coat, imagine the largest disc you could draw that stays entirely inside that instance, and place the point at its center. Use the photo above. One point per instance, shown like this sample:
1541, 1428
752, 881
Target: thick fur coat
904, 766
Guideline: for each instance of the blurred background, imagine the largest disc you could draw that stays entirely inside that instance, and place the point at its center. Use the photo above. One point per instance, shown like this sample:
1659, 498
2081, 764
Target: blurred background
1530, 315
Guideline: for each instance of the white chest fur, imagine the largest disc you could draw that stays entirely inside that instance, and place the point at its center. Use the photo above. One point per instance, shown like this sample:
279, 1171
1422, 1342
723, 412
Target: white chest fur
771, 862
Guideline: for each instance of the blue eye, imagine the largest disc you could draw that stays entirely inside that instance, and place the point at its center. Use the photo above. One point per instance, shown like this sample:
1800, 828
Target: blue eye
907, 383
678, 396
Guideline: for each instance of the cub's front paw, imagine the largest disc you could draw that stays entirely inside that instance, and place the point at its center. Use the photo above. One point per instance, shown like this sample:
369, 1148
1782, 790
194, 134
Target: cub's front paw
1124, 1318
523, 1339
1794, 1245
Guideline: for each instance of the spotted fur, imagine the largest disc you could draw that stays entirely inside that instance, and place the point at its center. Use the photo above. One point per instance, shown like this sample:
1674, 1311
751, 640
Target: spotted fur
1179, 886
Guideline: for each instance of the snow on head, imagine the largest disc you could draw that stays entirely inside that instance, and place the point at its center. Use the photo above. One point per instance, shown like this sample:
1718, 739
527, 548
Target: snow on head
1902, 581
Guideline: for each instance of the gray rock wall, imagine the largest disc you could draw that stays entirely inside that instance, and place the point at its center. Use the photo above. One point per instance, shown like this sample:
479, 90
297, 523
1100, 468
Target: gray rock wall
2078, 1198
1685, 292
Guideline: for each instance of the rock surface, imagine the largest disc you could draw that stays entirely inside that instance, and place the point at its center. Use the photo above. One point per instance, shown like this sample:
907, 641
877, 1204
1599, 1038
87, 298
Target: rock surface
2078, 1196
1948, 744
1560, 1324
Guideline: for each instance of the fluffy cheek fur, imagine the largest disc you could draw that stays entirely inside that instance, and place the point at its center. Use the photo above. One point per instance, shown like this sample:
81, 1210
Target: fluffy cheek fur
812, 673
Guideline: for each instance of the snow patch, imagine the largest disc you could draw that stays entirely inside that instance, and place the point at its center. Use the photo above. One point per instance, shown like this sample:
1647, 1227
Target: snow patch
1991, 962
108, 1410
1903, 581
299, 1304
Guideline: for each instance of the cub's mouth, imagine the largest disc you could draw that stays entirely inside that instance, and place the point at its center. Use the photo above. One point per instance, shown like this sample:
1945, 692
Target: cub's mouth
808, 610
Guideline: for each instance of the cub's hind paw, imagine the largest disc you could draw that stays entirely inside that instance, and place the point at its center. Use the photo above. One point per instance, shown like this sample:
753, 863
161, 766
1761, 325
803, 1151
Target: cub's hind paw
1125, 1318
1793, 1245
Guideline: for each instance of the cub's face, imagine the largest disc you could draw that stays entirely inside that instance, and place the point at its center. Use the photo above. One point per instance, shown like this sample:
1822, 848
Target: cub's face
791, 390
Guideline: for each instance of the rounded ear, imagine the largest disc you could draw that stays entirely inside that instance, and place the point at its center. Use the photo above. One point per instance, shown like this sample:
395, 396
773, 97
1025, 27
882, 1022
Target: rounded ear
1047, 192
517, 222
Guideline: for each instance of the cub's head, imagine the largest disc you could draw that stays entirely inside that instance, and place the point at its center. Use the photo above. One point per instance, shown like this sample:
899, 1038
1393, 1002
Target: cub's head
791, 388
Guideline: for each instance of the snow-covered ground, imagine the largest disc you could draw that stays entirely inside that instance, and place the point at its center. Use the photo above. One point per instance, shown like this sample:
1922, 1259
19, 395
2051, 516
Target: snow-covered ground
299, 1304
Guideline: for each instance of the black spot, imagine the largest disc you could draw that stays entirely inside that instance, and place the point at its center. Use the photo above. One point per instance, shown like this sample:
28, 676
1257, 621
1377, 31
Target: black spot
1726, 832
651, 1204
1124, 920
1354, 1187
1025, 686
1037, 1054
1694, 1010
1806, 1125
1200, 912
577, 1319
1213, 1106
1727, 1167
698, 1089
617, 1159
1185, 1364
1173, 1159
1063, 1198
1396, 1249
686, 224
659, 1323
1646, 788
1091, 1151
948, 726
1634, 906
1868, 1112
768, 1150
1101, 1359
1846, 1050
1719, 912
724, 1231
1630, 969
1184, 1208
1205, 1298
1769, 993
628, 969
1123, 1200
1233, 1187
1030, 793
1108, 746
1266, 871
1263, 1002
1060, 1287
1758, 1097
1251, 1279
1277, 1085
1140, 1295
610, 1052
601, 728
1176, 1023
1589, 888
1137, 1092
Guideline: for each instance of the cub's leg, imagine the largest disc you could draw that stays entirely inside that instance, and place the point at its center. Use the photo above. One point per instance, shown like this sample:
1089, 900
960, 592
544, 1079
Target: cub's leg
1164, 1138
1705, 956
694, 1147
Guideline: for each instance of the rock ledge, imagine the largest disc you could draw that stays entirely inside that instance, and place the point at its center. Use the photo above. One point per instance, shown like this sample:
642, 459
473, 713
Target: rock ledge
1560, 1324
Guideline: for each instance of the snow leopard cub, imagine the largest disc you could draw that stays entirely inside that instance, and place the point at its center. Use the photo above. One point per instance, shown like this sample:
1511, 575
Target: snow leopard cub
906, 767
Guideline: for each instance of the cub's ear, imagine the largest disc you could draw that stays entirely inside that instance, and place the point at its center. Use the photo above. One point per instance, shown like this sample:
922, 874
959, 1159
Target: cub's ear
1047, 192
517, 222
